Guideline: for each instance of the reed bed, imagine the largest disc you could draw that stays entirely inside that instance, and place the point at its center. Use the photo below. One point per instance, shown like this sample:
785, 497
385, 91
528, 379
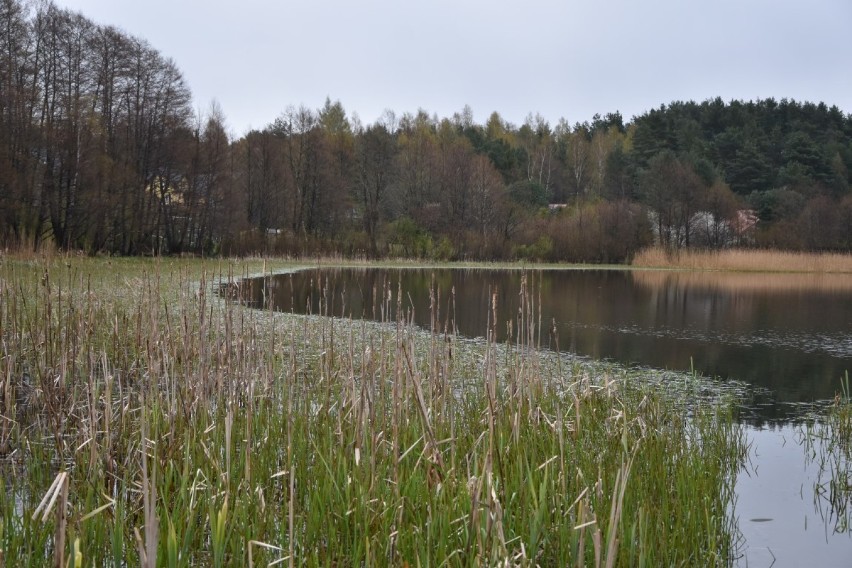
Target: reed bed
147, 422
745, 260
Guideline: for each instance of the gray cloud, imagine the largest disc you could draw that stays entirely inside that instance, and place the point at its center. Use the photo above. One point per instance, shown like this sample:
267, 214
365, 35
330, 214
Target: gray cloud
567, 59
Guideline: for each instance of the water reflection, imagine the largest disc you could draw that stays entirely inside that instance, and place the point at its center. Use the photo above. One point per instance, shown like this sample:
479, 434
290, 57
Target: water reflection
788, 334
783, 515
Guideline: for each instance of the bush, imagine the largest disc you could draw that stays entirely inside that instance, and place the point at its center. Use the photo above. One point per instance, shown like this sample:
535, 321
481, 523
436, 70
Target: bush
540, 250
445, 250
406, 238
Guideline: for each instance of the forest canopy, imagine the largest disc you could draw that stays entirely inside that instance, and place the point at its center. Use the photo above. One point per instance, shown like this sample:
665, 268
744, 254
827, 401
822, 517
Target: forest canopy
101, 151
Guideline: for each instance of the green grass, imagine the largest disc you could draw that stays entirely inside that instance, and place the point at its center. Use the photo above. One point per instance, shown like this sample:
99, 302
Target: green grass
185, 430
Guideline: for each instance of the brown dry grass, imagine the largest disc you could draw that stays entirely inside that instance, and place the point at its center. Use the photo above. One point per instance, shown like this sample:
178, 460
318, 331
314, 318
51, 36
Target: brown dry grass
745, 260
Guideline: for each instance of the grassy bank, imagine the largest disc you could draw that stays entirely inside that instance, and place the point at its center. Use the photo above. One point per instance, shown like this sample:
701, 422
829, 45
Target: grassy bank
747, 260
147, 422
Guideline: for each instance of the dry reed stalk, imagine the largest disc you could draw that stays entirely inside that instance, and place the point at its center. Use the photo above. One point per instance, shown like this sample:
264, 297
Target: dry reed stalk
106, 416
148, 547
248, 430
292, 482
396, 395
581, 548
615, 512
9, 403
61, 523
434, 460
596, 541
251, 545
92, 399
476, 485
50, 496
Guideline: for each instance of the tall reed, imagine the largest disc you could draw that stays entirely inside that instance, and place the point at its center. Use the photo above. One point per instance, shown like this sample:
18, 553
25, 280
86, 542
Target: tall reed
190, 430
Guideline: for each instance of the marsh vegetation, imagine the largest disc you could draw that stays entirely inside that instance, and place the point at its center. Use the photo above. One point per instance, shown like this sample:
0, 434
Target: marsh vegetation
146, 421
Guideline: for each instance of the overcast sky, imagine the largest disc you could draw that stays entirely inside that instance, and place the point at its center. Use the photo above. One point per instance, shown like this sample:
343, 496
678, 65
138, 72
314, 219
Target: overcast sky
563, 59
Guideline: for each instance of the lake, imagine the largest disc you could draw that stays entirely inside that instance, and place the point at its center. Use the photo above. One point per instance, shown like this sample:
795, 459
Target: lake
787, 335
790, 335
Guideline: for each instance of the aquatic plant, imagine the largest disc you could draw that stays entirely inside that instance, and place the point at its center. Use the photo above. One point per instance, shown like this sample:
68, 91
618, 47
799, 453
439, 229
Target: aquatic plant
827, 441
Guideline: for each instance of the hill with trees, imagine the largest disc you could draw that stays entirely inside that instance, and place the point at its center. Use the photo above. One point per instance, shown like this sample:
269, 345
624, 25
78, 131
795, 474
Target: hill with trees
100, 151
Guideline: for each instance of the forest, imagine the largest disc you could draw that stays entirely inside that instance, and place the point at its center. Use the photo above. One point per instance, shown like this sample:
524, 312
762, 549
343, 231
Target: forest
102, 152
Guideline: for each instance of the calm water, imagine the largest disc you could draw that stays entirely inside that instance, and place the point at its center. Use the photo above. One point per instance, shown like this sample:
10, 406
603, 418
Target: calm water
791, 335
784, 520
788, 335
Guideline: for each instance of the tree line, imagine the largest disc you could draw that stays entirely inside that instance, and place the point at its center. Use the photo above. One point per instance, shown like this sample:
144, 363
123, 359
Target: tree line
96, 131
100, 151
